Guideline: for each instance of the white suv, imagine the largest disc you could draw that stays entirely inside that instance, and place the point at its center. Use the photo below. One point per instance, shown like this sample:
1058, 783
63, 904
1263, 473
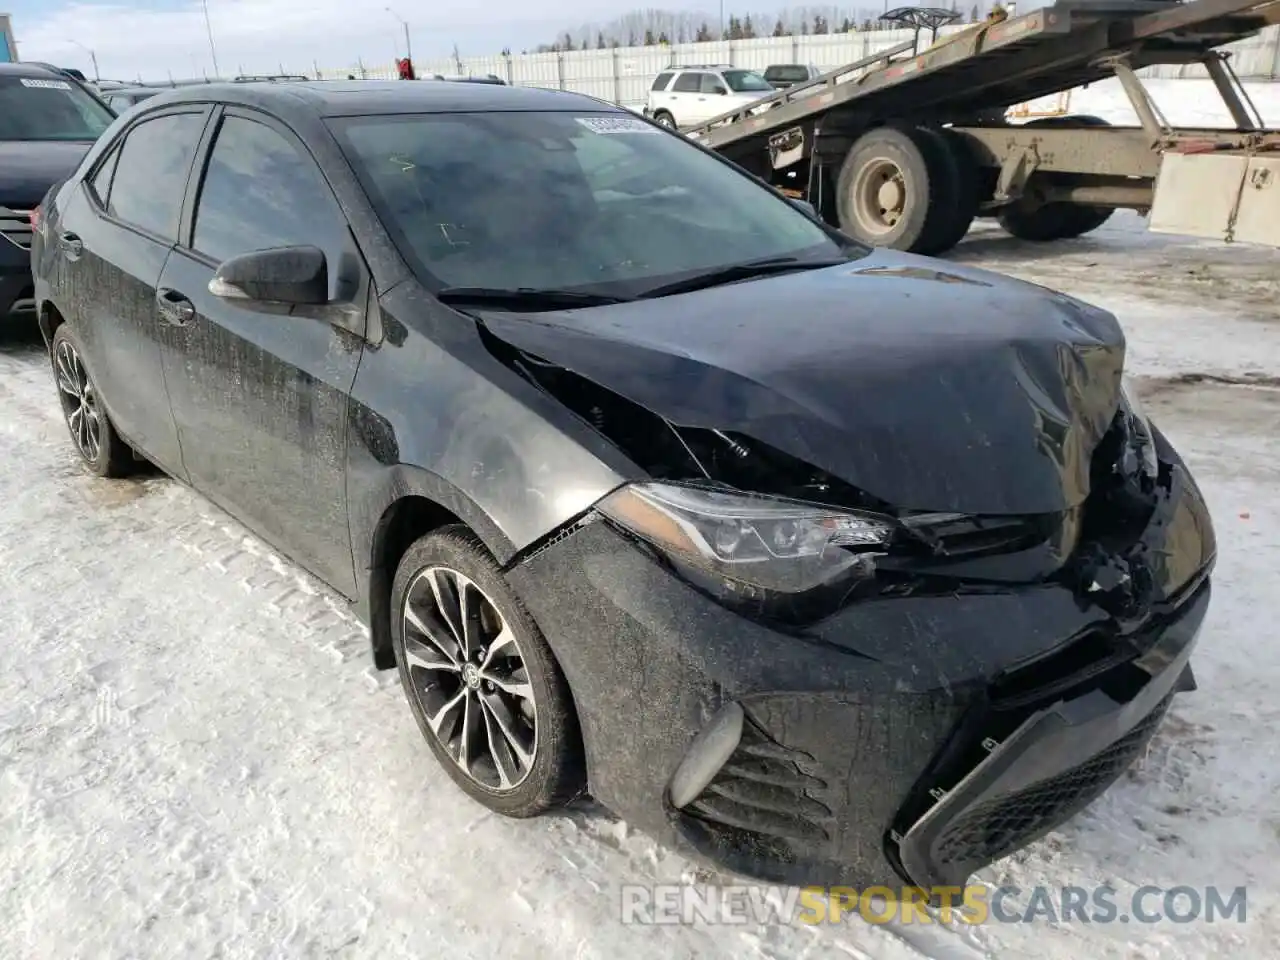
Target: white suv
688, 96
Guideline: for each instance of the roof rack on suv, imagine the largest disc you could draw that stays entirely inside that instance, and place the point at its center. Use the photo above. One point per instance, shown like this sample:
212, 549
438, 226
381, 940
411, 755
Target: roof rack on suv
269, 78
701, 66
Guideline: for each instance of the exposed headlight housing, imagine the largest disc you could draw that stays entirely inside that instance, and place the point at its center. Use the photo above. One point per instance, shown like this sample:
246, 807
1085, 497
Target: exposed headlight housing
767, 543
1143, 440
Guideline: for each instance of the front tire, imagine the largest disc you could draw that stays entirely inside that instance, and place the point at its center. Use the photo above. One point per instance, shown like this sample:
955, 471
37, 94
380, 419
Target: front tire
92, 433
483, 685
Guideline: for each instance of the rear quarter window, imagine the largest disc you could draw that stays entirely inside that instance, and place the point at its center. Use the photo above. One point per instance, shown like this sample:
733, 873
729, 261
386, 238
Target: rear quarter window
660, 82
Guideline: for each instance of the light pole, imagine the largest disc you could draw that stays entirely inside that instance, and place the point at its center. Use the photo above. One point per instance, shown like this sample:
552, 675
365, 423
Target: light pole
93, 57
408, 49
208, 27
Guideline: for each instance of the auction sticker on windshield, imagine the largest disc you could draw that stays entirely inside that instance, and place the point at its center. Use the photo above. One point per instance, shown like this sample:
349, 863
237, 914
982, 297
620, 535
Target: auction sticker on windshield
46, 84
616, 125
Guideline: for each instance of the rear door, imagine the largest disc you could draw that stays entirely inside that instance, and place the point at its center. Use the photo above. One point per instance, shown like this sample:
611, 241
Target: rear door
683, 99
113, 238
260, 394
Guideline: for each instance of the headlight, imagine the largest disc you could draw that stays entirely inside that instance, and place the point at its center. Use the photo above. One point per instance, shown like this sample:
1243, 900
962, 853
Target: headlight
777, 545
1144, 439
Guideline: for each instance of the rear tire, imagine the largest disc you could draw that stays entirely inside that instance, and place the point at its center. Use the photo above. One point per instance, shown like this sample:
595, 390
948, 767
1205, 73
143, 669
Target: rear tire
895, 190
1055, 221
93, 434
664, 119
962, 192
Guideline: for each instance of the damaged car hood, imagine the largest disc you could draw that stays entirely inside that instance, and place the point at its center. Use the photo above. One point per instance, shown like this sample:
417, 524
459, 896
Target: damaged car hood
926, 385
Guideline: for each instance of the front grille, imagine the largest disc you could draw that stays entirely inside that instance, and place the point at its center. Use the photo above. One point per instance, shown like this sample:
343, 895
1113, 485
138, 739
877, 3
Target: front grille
762, 795
998, 827
964, 537
15, 226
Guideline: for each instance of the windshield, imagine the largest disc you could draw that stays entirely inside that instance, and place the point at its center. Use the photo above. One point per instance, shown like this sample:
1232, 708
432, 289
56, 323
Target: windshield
608, 203
746, 81
36, 108
787, 74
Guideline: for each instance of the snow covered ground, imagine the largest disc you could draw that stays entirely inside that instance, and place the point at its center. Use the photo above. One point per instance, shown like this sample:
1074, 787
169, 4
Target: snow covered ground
196, 759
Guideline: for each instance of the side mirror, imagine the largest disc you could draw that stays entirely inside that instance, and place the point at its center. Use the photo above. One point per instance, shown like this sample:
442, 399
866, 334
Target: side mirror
286, 275
804, 206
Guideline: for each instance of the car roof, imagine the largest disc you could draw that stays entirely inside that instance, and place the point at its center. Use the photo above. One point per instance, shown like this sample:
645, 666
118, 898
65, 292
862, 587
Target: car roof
350, 98
29, 70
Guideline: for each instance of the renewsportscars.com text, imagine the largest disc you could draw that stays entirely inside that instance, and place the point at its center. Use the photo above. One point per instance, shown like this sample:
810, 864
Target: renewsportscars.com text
975, 904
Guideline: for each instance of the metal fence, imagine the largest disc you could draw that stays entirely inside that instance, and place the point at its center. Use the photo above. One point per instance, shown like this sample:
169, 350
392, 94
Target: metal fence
623, 75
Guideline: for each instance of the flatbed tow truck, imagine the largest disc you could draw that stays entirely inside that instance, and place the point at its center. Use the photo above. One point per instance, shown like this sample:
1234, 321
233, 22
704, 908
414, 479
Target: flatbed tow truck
905, 148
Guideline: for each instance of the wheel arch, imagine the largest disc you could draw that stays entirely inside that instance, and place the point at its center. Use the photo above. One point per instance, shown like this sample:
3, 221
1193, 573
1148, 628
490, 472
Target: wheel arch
406, 505
49, 318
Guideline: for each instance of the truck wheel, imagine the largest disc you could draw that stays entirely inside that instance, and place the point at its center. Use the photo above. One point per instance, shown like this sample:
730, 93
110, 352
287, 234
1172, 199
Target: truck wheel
893, 190
1056, 221
962, 192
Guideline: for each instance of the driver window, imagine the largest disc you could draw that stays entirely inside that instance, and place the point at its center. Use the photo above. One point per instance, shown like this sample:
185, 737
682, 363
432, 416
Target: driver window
711, 84
260, 191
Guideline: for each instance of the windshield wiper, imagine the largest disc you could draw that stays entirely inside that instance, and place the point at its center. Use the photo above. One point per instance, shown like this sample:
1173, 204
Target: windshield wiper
525, 298
740, 271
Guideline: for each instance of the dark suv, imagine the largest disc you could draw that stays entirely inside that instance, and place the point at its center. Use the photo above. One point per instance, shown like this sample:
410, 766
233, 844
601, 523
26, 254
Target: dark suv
48, 121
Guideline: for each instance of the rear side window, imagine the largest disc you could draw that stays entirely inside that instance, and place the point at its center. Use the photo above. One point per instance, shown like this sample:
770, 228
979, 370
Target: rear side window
688, 83
660, 82
151, 174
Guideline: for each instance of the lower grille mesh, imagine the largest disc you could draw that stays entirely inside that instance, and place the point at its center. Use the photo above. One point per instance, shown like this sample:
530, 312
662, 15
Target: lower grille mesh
998, 827
15, 226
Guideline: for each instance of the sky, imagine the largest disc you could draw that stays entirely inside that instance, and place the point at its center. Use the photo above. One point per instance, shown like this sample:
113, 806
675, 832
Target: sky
156, 37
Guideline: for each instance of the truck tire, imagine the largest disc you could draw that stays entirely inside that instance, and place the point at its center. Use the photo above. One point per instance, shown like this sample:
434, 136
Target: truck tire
1056, 221
962, 192
895, 190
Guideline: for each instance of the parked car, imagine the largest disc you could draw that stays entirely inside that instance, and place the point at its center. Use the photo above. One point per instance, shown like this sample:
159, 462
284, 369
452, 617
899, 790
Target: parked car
48, 120
824, 563
121, 99
688, 96
784, 75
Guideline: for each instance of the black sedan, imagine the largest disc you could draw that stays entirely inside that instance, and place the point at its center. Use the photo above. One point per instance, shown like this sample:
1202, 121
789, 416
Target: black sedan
826, 564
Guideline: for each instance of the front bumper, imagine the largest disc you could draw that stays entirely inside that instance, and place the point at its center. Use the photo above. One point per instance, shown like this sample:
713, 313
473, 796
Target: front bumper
17, 291
922, 736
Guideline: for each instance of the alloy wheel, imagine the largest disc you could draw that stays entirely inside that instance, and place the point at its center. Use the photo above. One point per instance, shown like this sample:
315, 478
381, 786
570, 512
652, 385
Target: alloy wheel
80, 404
468, 675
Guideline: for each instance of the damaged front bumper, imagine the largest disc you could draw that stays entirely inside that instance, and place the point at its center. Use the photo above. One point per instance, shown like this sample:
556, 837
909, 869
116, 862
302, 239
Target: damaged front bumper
917, 735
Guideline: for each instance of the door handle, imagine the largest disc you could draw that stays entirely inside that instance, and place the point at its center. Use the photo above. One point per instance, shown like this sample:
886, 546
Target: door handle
175, 309
72, 246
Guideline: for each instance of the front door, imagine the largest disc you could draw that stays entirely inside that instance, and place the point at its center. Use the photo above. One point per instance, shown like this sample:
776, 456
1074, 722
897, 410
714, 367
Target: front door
260, 395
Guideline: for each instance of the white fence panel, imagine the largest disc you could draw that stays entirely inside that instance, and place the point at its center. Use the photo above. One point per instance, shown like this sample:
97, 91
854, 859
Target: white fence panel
624, 74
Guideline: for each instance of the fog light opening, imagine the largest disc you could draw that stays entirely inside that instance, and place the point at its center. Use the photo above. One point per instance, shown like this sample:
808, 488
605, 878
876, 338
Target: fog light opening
710, 751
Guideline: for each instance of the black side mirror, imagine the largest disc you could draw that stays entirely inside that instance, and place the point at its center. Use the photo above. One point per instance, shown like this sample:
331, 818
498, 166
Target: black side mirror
720, 91
287, 275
